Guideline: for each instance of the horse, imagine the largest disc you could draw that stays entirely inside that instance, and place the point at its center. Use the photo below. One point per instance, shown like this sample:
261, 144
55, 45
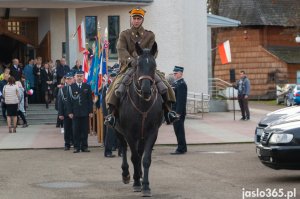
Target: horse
140, 115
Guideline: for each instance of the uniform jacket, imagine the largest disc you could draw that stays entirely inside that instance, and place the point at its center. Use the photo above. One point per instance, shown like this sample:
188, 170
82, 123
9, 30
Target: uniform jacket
126, 44
62, 101
80, 102
180, 89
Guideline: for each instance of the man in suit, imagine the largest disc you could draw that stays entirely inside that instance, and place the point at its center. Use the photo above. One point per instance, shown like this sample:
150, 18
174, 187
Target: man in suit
180, 89
80, 108
62, 111
62, 69
16, 70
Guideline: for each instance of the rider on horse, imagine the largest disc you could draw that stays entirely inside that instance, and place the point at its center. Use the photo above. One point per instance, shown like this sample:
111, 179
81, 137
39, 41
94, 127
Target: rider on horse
127, 56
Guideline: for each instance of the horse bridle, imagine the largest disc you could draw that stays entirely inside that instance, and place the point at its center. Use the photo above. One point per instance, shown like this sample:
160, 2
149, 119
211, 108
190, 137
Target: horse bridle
144, 114
139, 91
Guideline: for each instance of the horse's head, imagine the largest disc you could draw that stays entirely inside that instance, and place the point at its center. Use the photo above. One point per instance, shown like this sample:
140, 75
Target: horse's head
146, 67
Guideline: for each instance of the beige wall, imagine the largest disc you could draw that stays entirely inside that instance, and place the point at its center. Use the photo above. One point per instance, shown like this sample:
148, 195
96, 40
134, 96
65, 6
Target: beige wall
180, 27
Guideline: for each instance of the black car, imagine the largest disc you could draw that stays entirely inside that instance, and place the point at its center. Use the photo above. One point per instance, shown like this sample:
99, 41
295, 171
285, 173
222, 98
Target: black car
279, 147
272, 117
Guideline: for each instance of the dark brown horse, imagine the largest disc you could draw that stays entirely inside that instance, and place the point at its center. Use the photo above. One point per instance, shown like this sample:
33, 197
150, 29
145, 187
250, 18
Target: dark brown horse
140, 116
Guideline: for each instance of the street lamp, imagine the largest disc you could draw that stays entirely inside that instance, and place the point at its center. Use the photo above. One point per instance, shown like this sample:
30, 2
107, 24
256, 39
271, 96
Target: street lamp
297, 39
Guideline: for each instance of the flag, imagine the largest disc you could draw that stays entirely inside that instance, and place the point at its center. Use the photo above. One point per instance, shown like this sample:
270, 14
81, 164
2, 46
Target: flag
85, 64
81, 37
102, 70
94, 70
224, 51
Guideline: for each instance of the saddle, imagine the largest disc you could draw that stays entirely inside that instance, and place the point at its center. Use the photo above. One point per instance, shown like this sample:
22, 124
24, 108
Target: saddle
127, 80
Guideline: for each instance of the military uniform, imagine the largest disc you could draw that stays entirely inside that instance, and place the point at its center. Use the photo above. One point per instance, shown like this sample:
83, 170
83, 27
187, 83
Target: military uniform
80, 104
180, 89
127, 56
62, 111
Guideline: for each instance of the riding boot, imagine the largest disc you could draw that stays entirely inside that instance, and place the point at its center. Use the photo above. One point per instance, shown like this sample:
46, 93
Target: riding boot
170, 116
110, 119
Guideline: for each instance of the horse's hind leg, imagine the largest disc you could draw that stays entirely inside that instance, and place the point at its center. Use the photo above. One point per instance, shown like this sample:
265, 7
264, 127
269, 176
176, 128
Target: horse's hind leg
125, 166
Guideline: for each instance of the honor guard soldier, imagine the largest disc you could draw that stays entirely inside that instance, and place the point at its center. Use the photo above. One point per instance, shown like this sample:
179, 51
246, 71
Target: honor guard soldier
180, 89
80, 108
62, 110
128, 60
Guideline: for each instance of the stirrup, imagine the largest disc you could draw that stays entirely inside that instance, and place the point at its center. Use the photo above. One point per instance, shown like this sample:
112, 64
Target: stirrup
172, 116
110, 120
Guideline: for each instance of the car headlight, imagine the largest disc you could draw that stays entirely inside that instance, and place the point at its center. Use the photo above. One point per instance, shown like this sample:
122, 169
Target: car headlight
280, 138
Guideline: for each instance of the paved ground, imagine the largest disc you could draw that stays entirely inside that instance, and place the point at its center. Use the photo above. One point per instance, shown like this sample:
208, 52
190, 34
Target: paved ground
217, 127
219, 171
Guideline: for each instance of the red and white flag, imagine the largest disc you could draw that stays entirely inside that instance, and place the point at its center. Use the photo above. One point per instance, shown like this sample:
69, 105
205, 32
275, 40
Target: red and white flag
85, 64
81, 37
224, 51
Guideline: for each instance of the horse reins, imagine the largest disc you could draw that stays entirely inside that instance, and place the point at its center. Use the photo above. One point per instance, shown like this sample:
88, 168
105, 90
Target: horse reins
144, 114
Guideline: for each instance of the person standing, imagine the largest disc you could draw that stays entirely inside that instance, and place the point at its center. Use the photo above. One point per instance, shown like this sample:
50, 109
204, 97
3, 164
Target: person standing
109, 132
62, 111
16, 70
3, 82
21, 107
11, 98
180, 89
47, 80
77, 67
29, 76
62, 69
243, 87
80, 108
37, 94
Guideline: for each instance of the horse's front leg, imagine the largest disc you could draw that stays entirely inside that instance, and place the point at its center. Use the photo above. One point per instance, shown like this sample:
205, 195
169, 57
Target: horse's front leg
125, 166
146, 191
136, 161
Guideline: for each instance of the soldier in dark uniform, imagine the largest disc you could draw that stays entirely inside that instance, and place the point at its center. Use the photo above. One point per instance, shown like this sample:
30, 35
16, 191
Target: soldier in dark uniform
62, 110
179, 107
128, 59
80, 108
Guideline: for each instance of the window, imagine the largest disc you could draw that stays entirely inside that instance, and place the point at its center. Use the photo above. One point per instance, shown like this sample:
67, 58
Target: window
90, 27
113, 35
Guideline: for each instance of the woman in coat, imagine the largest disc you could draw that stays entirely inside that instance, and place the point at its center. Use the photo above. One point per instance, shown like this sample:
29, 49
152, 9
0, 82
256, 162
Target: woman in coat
47, 83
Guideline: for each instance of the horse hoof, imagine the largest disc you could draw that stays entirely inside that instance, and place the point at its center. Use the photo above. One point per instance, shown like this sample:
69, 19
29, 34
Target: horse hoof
126, 179
146, 193
137, 188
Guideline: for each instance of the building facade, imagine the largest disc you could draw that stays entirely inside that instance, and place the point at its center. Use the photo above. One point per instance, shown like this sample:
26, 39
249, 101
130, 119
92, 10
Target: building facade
180, 29
263, 45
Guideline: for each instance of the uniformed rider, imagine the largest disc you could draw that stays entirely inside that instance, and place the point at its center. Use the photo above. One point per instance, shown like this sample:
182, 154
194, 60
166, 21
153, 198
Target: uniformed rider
128, 61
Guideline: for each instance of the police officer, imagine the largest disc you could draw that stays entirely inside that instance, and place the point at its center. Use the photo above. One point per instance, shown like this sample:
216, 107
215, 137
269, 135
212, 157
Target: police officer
80, 108
179, 107
62, 110
110, 134
128, 59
